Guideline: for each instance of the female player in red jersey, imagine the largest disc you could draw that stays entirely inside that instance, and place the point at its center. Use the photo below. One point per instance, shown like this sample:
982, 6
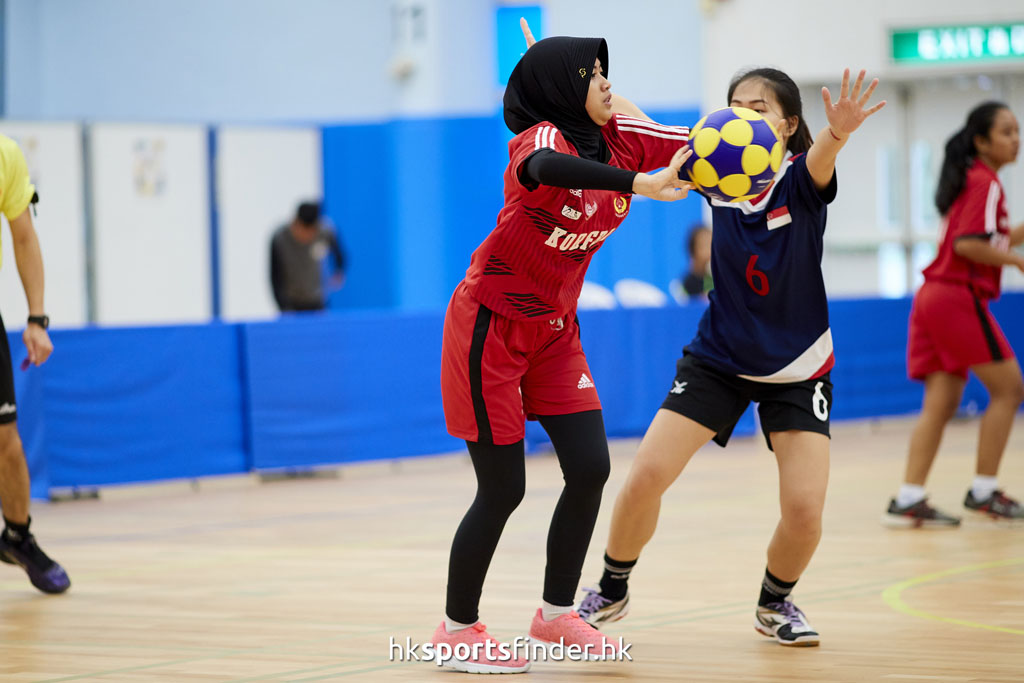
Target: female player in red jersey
511, 346
951, 328
764, 339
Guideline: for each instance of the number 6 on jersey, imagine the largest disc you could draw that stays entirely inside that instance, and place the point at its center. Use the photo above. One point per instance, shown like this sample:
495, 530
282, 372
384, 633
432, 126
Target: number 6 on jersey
757, 279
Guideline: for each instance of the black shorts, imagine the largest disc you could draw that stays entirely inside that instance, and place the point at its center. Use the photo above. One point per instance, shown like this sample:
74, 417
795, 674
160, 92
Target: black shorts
717, 400
8, 409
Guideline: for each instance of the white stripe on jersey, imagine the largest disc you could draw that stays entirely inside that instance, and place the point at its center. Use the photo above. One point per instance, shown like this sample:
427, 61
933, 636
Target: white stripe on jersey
748, 208
656, 130
545, 137
624, 120
991, 204
656, 134
805, 365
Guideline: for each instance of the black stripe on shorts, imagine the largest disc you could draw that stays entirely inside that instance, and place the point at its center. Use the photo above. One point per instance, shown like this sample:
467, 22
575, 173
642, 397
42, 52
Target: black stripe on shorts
986, 329
476, 382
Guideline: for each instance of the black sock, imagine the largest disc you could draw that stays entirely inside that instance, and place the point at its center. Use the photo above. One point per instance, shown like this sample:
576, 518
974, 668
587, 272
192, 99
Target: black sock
16, 533
774, 589
615, 580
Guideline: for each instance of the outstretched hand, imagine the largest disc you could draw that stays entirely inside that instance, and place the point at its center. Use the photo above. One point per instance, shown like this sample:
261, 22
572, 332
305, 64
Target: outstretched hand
846, 115
665, 185
527, 33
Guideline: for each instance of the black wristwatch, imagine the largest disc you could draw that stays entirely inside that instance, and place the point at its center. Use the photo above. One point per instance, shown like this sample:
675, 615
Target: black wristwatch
42, 320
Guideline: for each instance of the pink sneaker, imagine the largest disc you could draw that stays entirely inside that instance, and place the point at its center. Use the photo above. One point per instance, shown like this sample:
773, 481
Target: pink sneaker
474, 651
568, 630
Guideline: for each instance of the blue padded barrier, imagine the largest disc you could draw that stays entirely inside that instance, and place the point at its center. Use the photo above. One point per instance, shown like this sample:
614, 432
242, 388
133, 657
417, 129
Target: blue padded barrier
870, 375
128, 405
339, 388
139, 404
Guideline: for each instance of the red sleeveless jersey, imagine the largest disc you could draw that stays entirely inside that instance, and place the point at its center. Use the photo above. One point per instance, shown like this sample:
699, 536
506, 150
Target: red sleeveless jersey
532, 264
978, 212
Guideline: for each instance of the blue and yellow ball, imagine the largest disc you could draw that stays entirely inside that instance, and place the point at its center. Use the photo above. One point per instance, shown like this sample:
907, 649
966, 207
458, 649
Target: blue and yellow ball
736, 153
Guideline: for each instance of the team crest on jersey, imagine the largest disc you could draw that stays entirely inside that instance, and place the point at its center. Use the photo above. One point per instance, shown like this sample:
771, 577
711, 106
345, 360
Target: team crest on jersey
590, 208
621, 205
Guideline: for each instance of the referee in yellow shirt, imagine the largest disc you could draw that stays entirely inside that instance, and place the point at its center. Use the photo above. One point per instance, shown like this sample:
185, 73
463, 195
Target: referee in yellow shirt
17, 544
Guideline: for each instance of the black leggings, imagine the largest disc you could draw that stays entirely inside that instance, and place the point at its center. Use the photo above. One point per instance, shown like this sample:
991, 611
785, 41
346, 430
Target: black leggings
582, 450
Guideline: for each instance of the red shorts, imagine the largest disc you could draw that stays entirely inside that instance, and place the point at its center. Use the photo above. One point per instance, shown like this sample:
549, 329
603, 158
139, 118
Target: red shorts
951, 329
497, 372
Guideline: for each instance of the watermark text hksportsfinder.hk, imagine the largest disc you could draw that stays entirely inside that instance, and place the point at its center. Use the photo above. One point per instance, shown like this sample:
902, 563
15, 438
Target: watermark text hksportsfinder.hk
519, 648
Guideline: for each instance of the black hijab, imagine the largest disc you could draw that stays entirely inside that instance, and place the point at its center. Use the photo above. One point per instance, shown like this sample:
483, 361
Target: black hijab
550, 83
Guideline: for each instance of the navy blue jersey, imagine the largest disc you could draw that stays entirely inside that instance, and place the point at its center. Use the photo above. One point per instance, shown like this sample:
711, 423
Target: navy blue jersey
768, 316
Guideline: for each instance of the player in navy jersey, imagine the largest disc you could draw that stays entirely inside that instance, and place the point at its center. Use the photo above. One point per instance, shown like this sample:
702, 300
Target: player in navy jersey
951, 328
511, 348
765, 338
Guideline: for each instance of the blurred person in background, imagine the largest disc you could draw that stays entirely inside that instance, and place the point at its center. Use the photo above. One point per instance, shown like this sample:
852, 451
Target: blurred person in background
697, 279
951, 328
297, 253
17, 544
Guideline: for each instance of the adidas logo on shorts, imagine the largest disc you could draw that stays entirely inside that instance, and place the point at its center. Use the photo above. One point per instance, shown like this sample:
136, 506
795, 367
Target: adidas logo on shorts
584, 382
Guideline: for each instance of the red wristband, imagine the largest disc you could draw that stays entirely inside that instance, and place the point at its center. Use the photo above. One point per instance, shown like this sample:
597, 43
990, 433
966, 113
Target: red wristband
834, 136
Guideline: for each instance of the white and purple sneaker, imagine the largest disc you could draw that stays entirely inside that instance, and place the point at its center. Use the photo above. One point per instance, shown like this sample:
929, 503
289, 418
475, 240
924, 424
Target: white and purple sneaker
786, 623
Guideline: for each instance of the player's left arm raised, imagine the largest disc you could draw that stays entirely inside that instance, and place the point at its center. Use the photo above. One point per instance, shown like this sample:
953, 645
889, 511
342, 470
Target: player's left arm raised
844, 117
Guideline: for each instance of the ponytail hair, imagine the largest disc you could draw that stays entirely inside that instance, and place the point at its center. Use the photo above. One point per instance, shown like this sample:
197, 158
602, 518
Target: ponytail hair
788, 95
960, 153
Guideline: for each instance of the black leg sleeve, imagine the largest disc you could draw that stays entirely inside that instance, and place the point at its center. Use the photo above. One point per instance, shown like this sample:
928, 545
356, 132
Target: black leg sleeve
501, 484
582, 450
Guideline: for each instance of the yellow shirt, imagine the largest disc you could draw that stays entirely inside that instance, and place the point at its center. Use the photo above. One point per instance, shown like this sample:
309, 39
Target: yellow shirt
15, 188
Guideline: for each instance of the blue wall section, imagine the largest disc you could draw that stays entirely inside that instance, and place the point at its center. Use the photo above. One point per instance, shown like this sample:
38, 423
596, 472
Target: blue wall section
123, 405
414, 198
357, 161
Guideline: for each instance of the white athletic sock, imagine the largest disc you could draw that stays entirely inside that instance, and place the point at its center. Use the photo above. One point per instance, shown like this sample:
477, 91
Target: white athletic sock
549, 611
983, 487
454, 626
909, 494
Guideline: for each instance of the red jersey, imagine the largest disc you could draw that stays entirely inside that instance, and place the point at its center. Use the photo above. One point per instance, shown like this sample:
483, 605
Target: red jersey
980, 209
533, 262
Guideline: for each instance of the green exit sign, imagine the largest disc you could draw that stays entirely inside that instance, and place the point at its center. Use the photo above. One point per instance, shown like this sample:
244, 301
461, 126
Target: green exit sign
945, 44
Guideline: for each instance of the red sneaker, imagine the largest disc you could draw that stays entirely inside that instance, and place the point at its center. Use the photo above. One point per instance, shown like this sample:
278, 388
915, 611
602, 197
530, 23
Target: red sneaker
570, 630
475, 651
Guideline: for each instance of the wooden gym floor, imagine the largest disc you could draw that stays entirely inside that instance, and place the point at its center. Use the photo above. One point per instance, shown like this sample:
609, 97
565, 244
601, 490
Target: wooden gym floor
307, 580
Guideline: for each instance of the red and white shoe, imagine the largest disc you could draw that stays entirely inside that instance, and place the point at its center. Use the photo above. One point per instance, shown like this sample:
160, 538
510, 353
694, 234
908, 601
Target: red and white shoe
473, 650
570, 629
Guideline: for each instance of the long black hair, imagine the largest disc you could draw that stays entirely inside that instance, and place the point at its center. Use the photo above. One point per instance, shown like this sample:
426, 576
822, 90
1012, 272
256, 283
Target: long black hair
788, 95
960, 153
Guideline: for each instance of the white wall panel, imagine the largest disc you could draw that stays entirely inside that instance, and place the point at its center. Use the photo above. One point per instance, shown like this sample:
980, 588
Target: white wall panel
151, 223
53, 152
262, 175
